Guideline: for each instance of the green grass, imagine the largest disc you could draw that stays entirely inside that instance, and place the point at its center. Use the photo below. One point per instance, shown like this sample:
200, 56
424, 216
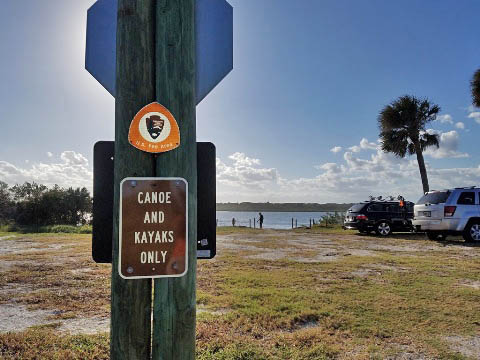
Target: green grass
330, 229
355, 307
44, 343
225, 230
424, 301
69, 229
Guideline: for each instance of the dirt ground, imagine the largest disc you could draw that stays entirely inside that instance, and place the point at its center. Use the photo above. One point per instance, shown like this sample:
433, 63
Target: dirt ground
50, 280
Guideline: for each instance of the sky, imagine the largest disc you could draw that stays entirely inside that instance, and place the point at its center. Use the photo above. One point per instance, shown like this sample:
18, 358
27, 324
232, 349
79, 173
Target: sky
295, 120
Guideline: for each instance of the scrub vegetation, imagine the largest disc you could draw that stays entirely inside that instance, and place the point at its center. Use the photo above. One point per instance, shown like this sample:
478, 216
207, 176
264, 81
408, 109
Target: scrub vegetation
304, 294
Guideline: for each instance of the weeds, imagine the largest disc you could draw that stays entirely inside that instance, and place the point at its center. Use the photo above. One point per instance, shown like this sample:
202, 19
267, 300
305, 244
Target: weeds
404, 295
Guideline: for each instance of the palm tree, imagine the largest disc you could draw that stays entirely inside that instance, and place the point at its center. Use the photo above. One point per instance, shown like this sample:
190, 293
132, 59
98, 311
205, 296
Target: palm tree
402, 129
475, 83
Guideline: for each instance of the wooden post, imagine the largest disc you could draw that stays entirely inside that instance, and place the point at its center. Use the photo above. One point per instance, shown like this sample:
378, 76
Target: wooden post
130, 333
174, 309
249, 222
292, 223
296, 224
254, 225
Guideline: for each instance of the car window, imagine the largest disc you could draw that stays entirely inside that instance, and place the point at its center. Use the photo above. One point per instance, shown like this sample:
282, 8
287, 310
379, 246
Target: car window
376, 208
466, 198
356, 208
394, 208
437, 197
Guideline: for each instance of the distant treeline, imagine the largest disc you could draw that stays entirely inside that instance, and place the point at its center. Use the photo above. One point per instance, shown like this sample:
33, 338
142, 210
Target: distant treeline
36, 205
285, 207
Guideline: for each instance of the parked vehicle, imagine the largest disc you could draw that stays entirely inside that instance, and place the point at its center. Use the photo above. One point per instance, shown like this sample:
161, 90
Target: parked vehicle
380, 216
449, 212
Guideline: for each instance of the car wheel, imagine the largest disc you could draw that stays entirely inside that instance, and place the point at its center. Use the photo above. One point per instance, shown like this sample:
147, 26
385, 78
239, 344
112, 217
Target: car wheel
431, 235
472, 232
383, 229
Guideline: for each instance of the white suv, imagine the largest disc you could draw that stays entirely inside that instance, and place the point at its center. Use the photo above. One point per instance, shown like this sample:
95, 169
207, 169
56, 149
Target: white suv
449, 212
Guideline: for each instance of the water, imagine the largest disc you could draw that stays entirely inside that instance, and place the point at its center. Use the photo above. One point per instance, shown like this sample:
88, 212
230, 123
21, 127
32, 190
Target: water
271, 220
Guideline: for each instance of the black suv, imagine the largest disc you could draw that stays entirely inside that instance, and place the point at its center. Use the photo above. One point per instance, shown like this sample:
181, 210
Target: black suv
383, 217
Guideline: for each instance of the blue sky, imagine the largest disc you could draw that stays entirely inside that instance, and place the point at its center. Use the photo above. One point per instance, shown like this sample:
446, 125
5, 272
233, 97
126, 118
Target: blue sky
296, 118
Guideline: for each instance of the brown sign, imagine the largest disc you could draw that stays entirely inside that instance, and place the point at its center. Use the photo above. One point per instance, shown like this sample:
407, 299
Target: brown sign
153, 228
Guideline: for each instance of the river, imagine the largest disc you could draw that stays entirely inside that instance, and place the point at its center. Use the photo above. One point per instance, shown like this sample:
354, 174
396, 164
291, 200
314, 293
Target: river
271, 220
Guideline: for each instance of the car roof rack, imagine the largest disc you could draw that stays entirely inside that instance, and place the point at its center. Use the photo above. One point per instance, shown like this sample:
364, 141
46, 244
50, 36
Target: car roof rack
388, 199
466, 187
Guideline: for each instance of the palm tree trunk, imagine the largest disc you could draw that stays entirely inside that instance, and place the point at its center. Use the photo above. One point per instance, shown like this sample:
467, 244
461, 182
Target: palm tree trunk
421, 165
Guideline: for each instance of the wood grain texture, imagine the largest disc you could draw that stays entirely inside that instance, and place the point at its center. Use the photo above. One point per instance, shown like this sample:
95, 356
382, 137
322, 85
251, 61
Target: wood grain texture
130, 336
174, 299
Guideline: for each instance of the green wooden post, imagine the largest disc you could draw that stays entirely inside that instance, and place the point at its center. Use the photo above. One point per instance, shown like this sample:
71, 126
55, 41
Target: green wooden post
174, 299
130, 336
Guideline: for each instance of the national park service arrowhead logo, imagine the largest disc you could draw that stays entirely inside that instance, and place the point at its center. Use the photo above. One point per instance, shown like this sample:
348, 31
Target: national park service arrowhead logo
154, 129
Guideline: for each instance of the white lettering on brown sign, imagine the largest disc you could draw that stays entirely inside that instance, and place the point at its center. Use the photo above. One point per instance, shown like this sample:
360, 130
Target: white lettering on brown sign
153, 234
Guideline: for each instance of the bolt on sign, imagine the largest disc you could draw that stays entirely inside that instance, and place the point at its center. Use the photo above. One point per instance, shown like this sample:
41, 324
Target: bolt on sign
153, 228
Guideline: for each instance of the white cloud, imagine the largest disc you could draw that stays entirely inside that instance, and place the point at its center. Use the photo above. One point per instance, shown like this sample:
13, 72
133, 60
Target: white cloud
475, 115
245, 172
460, 125
364, 145
351, 179
330, 167
73, 158
49, 154
242, 159
73, 171
448, 146
445, 119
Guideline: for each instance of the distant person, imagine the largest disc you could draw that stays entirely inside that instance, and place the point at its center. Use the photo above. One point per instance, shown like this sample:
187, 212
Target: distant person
260, 219
233, 222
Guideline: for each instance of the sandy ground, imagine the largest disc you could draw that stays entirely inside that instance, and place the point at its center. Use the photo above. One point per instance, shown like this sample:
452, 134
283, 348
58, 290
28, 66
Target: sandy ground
293, 247
329, 247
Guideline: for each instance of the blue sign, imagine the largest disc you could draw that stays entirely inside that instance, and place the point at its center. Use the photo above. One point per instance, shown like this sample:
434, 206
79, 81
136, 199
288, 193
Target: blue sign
213, 38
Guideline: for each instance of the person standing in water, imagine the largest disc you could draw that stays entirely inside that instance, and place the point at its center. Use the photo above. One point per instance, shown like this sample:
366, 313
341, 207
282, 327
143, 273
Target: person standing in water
260, 219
